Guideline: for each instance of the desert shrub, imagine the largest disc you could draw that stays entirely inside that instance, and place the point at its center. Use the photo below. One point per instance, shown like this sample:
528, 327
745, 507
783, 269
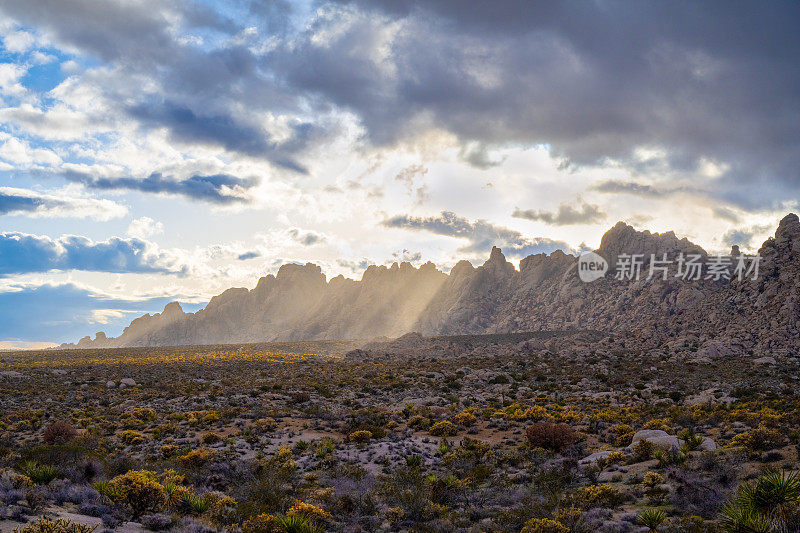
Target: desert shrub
156, 522
197, 458
652, 479
599, 496
761, 439
620, 435
642, 451
418, 422
35, 498
139, 490
443, 428
132, 437
465, 418
169, 450
361, 436
60, 525
407, 489
553, 437
63, 491
263, 523
658, 423
223, 510
308, 510
59, 432
653, 489
544, 525
211, 438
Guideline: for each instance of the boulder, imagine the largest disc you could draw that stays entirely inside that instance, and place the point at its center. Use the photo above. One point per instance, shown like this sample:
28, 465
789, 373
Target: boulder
596, 456
708, 444
127, 382
661, 439
765, 361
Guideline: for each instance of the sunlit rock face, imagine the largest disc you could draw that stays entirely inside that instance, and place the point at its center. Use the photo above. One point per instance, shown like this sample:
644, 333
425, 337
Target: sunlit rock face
728, 317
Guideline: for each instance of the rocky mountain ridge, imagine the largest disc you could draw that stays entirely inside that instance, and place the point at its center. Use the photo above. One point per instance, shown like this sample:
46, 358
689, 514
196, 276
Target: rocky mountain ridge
716, 317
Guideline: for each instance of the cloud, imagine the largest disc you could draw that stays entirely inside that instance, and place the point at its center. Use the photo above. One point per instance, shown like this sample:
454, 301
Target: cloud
677, 90
306, 237
65, 312
411, 176
15, 201
144, 227
223, 129
217, 188
636, 189
745, 236
565, 216
480, 234
24, 253
248, 255
599, 83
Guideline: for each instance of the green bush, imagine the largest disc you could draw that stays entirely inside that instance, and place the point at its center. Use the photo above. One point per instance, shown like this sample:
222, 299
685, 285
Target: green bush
40, 474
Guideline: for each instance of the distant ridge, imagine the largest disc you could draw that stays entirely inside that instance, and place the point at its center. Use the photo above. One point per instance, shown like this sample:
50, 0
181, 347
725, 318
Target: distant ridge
544, 294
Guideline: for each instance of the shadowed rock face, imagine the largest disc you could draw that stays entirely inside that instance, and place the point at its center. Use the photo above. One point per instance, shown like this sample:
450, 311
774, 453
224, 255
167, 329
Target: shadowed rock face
721, 317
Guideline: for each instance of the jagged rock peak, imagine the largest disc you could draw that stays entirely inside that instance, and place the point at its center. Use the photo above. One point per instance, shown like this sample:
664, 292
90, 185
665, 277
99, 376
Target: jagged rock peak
624, 239
172, 309
496, 256
789, 227
292, 270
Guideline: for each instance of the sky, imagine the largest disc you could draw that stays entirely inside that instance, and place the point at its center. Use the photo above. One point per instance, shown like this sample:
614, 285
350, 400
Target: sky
160, 150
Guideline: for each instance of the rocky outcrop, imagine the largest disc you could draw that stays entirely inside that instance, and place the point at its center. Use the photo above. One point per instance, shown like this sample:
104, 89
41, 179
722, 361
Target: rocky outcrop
704, 318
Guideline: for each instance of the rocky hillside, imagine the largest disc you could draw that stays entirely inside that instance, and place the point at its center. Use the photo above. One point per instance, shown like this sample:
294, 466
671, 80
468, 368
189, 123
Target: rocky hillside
713, 317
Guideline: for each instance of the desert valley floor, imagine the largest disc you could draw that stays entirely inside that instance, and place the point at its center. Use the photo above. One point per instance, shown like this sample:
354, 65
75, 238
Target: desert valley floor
549, 431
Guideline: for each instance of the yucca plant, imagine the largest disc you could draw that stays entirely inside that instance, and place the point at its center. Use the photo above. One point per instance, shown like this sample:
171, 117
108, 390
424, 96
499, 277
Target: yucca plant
693, 442
195, 504
39, 474
738, 518
299, 524
670, 457
774, 494
652, 518
769, 504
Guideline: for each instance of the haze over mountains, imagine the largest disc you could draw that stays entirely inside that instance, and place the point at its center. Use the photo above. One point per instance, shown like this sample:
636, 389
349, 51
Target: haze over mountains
544, 294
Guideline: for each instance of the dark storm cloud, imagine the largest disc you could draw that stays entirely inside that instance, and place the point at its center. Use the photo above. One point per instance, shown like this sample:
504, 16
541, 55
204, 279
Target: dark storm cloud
565, 215
596, 81
216, 188
22, 253
221, 89
224, 130
480, 234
